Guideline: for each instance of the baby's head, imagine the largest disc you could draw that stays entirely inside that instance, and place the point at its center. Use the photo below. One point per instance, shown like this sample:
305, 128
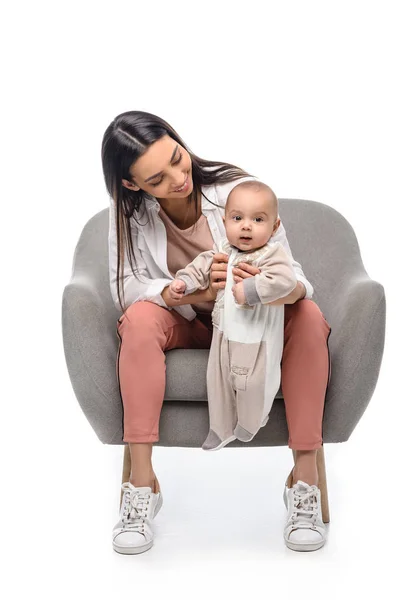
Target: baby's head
251, 215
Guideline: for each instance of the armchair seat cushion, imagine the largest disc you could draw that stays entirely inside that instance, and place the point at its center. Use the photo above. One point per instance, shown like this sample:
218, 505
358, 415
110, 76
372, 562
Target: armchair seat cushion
186, 375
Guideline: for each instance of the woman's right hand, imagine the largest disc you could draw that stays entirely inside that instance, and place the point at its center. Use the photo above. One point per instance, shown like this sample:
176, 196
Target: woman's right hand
219, 268
218, 271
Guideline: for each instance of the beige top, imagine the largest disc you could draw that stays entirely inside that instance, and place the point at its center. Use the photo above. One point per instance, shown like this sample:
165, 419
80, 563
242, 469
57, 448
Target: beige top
183, 245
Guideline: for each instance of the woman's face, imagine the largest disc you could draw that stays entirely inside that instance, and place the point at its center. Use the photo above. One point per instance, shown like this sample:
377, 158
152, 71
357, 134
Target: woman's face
164, 170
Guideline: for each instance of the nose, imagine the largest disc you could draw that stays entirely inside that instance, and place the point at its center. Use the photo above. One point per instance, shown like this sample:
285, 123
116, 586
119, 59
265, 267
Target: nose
246, 224
179, 181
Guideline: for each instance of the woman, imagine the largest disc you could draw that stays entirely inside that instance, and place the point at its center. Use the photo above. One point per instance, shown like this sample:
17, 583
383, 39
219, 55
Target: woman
166, 209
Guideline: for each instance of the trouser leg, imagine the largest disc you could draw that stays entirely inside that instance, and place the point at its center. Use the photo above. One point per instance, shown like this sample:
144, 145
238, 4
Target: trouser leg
305, 373
146, 331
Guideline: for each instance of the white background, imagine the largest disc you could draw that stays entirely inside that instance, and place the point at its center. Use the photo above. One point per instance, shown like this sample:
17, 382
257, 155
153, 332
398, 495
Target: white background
305, 96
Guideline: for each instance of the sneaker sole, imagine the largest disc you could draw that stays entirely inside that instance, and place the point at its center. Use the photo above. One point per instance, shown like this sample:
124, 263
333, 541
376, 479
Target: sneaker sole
144, 547
133, 550
304, 547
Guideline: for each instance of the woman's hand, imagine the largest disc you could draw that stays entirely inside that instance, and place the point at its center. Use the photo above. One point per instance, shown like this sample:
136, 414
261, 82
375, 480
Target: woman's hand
218, 271
297, 294
207, 295
243, 271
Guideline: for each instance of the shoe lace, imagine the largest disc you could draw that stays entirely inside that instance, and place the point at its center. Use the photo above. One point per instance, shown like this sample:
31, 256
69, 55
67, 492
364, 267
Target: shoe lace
305, 509
134, 510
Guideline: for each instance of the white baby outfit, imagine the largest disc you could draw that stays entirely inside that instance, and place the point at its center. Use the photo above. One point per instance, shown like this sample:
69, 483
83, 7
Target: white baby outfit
243, 373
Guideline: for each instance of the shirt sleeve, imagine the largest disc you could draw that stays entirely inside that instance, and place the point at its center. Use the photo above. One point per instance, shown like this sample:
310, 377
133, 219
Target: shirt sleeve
280, 236
137, 284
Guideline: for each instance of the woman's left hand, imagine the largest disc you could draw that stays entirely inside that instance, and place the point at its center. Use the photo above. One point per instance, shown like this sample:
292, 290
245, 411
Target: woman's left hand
297, 294
243, 271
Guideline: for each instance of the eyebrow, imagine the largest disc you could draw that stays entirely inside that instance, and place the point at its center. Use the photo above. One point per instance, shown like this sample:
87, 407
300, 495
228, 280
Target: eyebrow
234, 210
158, 174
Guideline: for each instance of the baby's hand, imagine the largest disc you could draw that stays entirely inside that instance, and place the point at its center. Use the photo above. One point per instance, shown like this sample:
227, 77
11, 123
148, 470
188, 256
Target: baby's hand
238, 293
177, 288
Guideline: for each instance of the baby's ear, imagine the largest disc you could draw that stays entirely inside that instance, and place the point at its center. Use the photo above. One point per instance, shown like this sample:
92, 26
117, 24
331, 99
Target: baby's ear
276, 225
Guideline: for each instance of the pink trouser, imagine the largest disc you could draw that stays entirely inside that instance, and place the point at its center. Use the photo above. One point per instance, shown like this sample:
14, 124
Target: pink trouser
147, 330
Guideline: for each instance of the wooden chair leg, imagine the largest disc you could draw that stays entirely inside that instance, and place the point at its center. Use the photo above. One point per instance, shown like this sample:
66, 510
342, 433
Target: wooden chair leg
321, 482
126, 468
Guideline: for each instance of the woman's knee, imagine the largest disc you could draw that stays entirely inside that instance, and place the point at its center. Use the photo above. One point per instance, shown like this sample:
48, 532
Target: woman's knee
305, 315
144, 310
144, 318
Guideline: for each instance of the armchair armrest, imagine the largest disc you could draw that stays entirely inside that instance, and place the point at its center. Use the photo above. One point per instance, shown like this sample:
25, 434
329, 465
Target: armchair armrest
90, 346
356, 347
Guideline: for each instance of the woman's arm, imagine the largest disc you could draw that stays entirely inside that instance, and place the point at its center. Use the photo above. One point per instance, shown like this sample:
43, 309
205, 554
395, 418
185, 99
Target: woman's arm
137, 284
202, 296
280, 236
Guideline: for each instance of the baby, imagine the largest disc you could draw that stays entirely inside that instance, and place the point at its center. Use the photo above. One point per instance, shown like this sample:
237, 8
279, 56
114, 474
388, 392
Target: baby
243, 373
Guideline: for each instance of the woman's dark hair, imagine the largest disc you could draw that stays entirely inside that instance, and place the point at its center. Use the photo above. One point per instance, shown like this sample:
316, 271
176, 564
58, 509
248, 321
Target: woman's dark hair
124, 141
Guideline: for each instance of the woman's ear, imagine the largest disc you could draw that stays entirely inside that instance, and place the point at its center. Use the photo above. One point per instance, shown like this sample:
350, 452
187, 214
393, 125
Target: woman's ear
130, 186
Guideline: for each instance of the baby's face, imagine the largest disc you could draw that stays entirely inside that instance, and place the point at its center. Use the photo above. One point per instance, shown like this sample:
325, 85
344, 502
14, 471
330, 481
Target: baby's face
250, 219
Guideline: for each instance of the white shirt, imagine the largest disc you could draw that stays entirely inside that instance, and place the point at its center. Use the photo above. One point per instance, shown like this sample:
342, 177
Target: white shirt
149, 242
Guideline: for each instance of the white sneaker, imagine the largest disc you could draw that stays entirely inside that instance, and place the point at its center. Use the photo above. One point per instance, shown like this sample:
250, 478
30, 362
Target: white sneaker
133, 533
304, 529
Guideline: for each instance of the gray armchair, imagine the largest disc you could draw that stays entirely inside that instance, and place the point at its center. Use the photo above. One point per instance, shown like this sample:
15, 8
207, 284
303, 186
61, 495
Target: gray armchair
353, 304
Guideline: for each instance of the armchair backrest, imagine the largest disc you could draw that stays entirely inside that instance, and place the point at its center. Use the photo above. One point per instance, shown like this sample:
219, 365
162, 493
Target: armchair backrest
320, 239
325, 244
